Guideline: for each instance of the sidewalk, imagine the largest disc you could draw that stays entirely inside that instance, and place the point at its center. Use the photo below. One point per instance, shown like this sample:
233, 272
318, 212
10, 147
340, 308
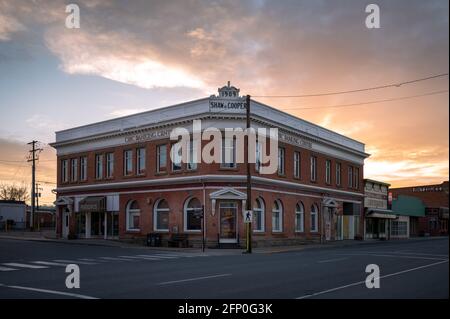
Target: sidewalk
48, 236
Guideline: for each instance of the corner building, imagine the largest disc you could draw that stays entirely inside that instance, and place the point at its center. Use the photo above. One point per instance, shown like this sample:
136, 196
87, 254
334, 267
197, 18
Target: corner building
116, 179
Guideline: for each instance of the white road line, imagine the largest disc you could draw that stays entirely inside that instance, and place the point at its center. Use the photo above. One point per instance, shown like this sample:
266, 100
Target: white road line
192, 279
74, 262
141, 258
407, 253
393, 256
24, 265
6, 269
48, 263
114, 259
156, 256
50, 291
331, 260
88, 259
363, 281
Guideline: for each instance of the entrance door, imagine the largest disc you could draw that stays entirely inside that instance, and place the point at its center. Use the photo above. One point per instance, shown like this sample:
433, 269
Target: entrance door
65, 223
228, 222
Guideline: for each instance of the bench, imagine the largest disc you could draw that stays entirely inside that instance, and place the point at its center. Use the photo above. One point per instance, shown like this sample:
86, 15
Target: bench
178, 240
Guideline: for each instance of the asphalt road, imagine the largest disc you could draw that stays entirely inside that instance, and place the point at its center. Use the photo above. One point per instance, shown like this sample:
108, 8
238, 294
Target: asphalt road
408, 269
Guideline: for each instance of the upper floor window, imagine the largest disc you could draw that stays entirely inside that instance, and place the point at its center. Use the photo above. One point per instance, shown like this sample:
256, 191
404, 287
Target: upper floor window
297, 164
328, 171
350, 176
83, 168
356, 177
193, 158
175, 156
64, 171
228, 156
161, 158
99, 166
74, 169
128, 162
338, 174
140, 160
109, 165
313, 168
281, 163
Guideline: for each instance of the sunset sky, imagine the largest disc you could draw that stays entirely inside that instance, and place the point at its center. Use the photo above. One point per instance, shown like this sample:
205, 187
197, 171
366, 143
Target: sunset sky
133, 56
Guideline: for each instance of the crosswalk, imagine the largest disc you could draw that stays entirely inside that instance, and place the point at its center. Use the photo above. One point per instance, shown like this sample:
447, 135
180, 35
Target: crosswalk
43, 264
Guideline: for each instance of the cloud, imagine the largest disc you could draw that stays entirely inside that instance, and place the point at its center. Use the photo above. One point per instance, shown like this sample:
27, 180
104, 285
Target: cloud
125, 112
9, 25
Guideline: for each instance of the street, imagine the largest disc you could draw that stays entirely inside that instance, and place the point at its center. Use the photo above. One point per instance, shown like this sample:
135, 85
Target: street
408, 269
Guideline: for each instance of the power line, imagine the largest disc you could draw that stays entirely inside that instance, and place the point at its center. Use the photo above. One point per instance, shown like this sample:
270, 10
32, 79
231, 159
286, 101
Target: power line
393, 85
368, 102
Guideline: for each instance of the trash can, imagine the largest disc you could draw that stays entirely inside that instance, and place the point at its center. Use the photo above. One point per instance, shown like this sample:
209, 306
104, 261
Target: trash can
150, 239
153, 240
157, 240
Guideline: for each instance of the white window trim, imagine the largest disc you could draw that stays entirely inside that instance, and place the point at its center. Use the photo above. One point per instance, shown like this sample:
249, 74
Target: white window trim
313, 168
302, 213
263, 216
109, 160
159, 168
281, 161
185, 212
328, 171
156, 210
297, 171
125, 162
192, 163
280, 211
316, 224
65, 170
74, 169
223, 148
175, 148
338, 174
139, 169
132, 212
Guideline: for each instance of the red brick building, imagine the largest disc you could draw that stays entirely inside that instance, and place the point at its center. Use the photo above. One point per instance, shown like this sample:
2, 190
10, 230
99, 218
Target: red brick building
435, 198
116, 179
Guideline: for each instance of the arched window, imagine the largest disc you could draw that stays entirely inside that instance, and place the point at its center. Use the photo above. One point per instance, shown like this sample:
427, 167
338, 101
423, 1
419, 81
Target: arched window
299, 218
277, 216
161, 215
259, 213
314, 219
192, 211
133, 215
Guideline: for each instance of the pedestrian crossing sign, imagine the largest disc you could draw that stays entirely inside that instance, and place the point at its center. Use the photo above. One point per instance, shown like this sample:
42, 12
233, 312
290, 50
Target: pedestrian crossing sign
248, 216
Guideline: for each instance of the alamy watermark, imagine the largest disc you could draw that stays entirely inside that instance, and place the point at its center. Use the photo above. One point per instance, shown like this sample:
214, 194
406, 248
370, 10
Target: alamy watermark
226, 147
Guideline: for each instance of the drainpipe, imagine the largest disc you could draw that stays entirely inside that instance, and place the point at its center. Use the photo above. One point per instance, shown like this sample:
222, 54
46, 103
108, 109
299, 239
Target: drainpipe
204, 213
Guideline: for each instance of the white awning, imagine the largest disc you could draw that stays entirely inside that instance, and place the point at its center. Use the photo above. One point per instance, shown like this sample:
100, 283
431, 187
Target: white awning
381, 213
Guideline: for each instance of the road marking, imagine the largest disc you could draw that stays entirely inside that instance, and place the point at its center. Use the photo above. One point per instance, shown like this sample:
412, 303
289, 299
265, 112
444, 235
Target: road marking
88, 259
114, 258
192, 279
331, 260
363, 281
75, 262
141, 258
156, 256
6, 269
394, 256
24, 265
48, 263
50, 291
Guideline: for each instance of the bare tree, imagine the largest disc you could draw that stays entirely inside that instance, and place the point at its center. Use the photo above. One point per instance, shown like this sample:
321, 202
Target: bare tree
14, 192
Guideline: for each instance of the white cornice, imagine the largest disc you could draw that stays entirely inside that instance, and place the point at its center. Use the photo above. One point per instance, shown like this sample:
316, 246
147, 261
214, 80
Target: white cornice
203, 178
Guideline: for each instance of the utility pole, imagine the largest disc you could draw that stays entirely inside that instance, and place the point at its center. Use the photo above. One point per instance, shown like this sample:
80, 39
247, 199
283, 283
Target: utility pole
38, 194
249, 180
33, 159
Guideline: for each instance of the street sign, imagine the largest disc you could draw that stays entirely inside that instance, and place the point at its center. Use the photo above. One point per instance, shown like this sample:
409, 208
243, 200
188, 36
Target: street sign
248, 216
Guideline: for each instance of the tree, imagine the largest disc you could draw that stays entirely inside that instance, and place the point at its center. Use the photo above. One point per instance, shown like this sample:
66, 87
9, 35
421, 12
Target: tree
14, 192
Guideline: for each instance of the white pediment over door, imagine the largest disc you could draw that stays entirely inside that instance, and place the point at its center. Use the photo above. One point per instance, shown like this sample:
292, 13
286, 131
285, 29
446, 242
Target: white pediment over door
228, 193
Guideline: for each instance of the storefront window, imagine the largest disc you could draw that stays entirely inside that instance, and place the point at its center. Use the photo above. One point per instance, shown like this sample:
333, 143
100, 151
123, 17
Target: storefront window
299, 217
192, 209
258, 215
314, 219
277, 217
133, 216
161, 215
